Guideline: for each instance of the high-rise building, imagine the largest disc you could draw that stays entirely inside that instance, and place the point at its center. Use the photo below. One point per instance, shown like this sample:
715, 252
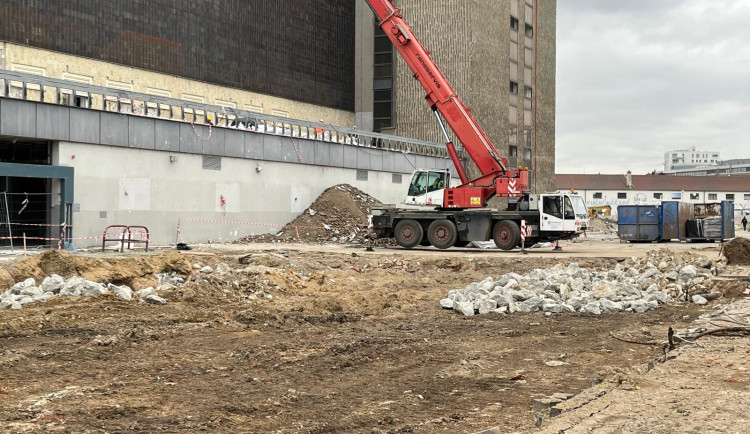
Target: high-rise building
500, 57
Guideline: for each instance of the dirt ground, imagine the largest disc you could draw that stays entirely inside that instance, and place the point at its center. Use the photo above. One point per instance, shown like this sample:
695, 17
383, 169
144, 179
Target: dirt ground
307, 339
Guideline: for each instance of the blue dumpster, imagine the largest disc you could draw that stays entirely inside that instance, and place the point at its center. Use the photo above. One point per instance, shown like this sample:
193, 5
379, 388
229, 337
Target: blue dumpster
638, 222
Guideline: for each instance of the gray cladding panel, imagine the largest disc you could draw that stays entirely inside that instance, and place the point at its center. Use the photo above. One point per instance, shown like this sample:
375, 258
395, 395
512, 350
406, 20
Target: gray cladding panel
18, 118
114, 129
84, 126
191, 141
234, 144
53, 122
306, 150
350, 157
254, 146
141, 132
337, 155
388, 161
363, 158
167, 136
272, 148
421, 162
323, 153
376, 160
214, 144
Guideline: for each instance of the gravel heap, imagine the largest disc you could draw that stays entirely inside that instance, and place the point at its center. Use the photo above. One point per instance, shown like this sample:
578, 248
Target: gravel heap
27, 291
338, 215
637, 285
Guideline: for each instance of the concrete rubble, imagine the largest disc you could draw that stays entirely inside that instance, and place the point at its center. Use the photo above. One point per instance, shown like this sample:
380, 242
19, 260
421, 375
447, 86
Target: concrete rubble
636, 285
27, 291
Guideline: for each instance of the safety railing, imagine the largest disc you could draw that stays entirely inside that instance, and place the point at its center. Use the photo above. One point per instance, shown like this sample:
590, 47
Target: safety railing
30, 87
126, 236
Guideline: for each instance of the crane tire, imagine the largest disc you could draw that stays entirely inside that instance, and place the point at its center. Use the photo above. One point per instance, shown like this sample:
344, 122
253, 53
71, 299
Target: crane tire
506, 234
442, 233
408, 233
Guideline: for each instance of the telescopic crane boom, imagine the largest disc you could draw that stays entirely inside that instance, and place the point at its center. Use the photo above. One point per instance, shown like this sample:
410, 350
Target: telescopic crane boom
496, 178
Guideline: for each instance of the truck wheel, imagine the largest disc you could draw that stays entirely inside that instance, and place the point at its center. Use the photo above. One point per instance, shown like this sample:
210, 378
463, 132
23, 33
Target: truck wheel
442, 234
506, 234
408, 233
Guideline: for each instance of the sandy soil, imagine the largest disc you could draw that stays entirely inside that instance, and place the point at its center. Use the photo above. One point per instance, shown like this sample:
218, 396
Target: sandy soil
309, 339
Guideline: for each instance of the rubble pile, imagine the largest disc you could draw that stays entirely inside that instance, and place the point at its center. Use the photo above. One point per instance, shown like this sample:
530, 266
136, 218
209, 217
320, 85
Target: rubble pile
339, 215
737, 251
27, 291
604, 225
637, 285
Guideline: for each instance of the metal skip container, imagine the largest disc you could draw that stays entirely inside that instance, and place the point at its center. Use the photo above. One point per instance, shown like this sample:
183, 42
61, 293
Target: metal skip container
638, 223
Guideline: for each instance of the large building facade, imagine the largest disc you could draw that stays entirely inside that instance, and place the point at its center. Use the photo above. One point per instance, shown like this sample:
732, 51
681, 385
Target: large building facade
500, 57
295, 61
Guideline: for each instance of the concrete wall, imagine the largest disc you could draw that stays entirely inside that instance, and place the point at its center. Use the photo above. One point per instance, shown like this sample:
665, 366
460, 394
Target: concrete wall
469, 41
142, 187
363, 66
80, 69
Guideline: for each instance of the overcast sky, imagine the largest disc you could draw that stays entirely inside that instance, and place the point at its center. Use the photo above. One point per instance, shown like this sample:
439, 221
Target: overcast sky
638, 78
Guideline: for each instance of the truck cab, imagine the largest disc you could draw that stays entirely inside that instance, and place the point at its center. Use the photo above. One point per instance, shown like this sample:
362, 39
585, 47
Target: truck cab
563, 213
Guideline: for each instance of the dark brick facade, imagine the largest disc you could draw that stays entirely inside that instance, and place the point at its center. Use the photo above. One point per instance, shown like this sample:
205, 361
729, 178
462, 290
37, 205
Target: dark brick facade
297, 49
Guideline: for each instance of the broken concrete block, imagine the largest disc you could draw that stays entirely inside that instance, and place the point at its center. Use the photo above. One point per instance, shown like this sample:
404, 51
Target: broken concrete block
52, 283
609, 305
5, 304
28, 283
697, 299
31, 291
123, 292
465, 308
155, 299
446, 303
207, 270
533, 304
487, 306
522, 295
592, 308
143, 293
25, 300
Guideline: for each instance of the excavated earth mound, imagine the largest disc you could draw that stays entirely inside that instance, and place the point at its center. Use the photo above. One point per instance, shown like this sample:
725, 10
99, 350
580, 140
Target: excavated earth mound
339, 215
737, 251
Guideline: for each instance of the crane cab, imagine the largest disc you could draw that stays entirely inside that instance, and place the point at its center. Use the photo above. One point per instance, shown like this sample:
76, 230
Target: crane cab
564, 213
427, 187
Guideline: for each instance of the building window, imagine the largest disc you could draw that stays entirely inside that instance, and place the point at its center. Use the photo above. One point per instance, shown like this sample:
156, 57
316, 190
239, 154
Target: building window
622, 195
528, 92
383, 82
713, 196
730, 196
513, 88
513, 151
676, 195
598, 195
694, 196
657, 196
529, 31
514, 23
747, 196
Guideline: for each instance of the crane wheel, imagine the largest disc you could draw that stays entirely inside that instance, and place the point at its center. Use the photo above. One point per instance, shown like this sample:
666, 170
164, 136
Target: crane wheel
506, 234
408, 233
442, 234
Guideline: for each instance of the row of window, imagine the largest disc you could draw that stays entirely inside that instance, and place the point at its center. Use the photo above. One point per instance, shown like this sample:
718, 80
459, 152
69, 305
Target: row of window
528, 30
693, 196
528, 91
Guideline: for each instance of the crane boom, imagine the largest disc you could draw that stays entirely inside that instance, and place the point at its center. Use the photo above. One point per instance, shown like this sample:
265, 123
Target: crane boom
496, 179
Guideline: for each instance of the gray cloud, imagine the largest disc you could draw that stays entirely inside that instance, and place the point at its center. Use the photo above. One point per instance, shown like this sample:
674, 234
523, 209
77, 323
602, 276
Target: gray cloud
638, 78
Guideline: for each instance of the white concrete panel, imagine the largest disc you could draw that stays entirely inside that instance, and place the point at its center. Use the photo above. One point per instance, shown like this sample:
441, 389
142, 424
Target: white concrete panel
135, 194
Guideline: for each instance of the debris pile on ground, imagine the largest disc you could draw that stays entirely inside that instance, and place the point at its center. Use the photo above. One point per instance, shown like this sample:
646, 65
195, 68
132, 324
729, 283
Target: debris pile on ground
339, 215
27, 291
604, 225
737, 251
637, 285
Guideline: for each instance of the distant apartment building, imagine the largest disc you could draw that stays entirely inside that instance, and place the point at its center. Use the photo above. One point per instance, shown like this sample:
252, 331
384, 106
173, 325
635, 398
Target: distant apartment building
627, 189
734, 167
689, 159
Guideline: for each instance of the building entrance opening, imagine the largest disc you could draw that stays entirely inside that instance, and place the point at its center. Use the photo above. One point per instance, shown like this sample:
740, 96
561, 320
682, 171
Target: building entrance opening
28, 205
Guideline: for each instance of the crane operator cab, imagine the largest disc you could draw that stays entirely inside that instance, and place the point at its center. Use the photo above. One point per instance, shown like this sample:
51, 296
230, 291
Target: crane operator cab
427, 187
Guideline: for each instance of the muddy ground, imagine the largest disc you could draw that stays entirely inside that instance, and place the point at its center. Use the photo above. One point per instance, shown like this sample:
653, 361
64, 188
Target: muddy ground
307, 341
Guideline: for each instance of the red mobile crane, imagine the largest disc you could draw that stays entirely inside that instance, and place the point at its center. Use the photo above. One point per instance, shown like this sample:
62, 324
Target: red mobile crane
459, 214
